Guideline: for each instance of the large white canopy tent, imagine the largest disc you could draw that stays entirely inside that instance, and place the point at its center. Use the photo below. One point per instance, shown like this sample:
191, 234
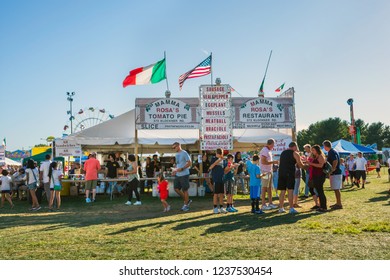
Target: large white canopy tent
119, 134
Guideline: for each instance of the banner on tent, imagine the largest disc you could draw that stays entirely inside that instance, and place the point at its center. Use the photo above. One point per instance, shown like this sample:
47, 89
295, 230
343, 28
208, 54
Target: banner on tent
67, 148
166, 113
264, 113
2, 155
216, 115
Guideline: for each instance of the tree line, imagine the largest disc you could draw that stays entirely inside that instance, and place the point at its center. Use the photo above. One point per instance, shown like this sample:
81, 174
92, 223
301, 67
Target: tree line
334, 129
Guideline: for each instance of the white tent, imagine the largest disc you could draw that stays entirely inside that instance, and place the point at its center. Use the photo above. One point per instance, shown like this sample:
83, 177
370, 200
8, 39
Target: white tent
9, 161
119, 134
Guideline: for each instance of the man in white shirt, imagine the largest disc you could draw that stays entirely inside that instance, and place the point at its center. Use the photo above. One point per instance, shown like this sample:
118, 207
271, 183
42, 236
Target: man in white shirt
266, 163
361, 169
44, 175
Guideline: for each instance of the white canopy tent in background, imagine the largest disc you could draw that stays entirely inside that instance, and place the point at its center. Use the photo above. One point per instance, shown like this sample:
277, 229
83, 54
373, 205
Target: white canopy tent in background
9, 161
119, 134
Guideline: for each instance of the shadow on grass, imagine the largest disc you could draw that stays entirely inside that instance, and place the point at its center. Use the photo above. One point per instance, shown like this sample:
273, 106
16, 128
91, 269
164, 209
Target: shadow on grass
217, 223
384, 196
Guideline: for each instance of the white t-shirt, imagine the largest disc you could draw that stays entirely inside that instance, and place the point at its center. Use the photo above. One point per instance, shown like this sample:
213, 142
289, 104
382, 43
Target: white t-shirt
45, 169
350, 163
31, 178
6, 183
361, 163
267, 153
56, 174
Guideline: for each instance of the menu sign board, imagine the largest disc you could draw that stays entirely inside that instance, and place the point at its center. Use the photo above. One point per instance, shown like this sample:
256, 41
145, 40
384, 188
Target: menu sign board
216, 117
67, 148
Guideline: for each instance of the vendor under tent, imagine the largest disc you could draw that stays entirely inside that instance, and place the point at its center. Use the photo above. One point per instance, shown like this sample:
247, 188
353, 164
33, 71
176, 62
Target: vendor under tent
344, 147
119, 134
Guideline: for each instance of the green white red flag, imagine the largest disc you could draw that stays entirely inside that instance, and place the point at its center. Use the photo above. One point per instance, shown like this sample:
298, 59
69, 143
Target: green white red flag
279, 89
151, 74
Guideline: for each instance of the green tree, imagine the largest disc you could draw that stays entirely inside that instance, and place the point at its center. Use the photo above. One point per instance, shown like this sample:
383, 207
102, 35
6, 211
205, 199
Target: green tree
377, 133
330, 129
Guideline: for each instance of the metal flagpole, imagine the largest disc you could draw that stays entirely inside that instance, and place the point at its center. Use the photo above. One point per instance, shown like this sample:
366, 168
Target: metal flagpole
266, 69
166, 76
211, 67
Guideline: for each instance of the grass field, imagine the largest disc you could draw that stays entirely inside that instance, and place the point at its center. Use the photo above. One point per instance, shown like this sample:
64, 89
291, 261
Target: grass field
109, 230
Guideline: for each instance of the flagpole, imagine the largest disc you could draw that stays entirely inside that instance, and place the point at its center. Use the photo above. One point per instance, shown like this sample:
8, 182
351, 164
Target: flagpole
266, 69
211, 67
166, 75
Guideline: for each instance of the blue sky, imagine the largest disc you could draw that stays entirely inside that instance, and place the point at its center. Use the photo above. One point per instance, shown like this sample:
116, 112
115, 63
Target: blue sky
328, 51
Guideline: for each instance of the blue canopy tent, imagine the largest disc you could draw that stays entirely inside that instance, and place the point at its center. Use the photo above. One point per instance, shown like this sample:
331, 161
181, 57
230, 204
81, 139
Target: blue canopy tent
345, 148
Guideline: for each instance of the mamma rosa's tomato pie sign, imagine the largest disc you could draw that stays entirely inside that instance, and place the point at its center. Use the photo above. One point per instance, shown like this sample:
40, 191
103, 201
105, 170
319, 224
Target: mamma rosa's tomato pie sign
167, 114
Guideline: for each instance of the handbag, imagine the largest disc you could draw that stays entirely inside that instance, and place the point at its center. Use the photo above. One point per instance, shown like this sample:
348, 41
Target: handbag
35, 178
327, 168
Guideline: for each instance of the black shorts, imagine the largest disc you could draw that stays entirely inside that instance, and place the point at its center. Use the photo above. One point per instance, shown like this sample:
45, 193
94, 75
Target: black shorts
360, 174
6, 191
229, 186
352, 174
286, 182
219, 187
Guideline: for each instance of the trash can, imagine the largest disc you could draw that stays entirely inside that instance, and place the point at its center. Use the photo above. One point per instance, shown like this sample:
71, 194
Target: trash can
65, 189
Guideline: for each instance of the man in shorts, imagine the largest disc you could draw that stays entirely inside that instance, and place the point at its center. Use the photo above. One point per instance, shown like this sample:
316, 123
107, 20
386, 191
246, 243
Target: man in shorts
335, 177
286, 181
217, 171
361, 170
182, 175
266, 163
91, 168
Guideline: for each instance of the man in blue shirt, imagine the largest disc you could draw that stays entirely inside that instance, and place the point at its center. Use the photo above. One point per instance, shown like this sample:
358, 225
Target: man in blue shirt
182, 175
217, 171
335, 178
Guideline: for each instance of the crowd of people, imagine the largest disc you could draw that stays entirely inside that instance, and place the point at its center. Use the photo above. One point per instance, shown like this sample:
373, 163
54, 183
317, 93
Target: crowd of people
222, 175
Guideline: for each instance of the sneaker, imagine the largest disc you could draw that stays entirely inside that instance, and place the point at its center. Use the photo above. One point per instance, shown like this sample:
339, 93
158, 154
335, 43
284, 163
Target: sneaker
137, 203
37, 208
234, 209
265, 207
165, 210
259, 212
168, 208
216, 210
88, 200
281, 210
185, 208
336, 207
273, 206
128, 203
222, 210
229, 209
293, 211
189, 202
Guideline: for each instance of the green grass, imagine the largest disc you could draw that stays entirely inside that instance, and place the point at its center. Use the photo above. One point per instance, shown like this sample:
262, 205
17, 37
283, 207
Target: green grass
111, 230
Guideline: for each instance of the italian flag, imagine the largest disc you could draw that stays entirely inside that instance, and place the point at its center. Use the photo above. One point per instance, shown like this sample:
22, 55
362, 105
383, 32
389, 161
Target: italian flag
279, 89
151, 74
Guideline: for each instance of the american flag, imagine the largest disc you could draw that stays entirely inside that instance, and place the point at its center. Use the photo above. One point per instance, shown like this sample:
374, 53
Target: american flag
203, 69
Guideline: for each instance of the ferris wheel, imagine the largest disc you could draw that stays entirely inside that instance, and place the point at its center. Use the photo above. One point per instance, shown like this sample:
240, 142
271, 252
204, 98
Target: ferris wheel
86, 118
